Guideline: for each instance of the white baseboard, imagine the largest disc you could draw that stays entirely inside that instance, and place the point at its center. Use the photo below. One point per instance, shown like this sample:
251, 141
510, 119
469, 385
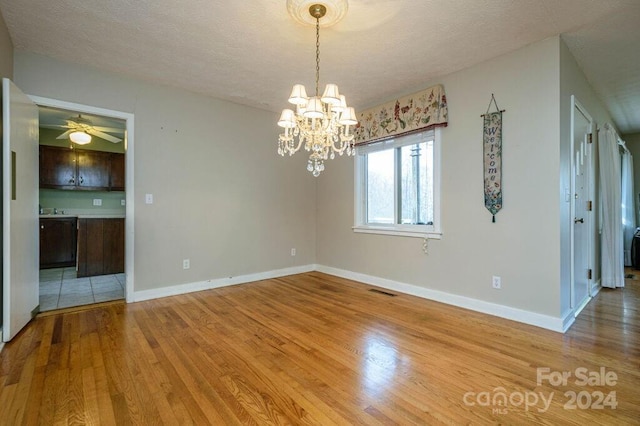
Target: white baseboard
174, 290
568, 319
595, 288
507, 312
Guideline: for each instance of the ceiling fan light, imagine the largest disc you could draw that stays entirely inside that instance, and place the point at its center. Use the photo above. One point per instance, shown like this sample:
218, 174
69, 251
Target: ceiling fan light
80, 138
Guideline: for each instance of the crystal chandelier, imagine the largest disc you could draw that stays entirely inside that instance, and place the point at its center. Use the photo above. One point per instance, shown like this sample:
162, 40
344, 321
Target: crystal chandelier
320, 123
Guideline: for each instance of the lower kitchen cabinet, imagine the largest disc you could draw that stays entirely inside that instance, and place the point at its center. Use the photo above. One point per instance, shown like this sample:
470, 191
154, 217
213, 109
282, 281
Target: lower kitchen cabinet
100, 247
57, 242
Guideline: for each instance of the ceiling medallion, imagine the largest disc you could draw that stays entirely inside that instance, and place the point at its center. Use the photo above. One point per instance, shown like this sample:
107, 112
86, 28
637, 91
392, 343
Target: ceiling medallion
320, 123
335, 11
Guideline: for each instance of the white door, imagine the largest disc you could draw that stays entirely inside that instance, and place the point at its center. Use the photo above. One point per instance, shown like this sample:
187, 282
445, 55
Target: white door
20, 238
582, 208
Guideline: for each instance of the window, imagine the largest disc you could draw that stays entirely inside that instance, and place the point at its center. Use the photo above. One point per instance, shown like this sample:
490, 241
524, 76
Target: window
398, 186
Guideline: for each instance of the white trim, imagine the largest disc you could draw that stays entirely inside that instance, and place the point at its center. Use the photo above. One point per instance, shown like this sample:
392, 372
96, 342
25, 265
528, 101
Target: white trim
129, 174
582, 306
393, 230
595, 288
502, 311
567, 320
175, 290
420, 231
575, 104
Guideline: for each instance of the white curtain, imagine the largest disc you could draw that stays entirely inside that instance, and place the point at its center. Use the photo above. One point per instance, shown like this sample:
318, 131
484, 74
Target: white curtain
628, 205
612, 250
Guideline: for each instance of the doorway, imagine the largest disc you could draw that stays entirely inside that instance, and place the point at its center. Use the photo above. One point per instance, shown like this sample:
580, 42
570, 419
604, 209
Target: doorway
583, 228
97, 265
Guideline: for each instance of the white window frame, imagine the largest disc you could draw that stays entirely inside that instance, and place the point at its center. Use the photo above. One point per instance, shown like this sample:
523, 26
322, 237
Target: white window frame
421, 231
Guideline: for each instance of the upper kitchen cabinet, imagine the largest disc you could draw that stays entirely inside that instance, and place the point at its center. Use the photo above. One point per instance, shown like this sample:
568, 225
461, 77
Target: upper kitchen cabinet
117, 175
57, 167
93, 169
77, 169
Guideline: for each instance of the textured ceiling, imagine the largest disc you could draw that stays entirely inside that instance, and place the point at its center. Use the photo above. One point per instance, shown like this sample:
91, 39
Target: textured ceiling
251, 52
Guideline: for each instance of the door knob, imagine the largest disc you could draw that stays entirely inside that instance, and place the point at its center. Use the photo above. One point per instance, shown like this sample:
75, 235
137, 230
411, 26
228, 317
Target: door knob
581, 220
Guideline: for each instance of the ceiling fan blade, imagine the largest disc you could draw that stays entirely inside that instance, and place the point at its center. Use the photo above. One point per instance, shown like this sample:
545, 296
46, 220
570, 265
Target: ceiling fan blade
103, 135
65, 134
108, 129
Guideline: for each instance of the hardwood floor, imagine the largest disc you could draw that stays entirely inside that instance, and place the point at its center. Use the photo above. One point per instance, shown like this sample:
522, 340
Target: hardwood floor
316, 349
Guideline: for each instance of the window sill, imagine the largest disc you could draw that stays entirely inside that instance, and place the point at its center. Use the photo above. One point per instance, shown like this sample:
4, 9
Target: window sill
398, 231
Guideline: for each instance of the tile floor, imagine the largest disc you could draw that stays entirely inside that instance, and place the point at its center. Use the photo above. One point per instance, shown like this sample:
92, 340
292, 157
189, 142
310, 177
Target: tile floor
61, 288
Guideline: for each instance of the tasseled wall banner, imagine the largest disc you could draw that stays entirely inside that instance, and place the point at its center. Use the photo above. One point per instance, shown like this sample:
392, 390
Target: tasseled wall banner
492, 151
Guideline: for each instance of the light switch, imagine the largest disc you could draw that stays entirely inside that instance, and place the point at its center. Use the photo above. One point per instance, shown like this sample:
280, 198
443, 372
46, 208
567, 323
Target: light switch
148, 198
97, 201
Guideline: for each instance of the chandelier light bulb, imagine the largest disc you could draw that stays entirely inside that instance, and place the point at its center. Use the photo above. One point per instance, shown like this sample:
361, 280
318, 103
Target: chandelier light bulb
348, 117
298, 95
314, 108
287, 119
331, 95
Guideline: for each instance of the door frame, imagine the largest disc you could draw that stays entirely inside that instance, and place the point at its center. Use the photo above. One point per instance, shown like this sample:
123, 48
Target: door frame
575, 104
129, 182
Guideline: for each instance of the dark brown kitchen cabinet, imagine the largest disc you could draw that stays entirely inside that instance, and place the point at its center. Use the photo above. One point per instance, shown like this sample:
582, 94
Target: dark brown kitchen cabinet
57, 167
117, 176
57, 242
78, 169
93, 169
100, 247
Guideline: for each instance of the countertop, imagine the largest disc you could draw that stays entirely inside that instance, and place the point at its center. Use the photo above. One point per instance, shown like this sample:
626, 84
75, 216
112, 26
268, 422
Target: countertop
82, 216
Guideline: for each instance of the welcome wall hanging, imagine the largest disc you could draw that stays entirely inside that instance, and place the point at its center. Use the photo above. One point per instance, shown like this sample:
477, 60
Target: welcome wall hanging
492, 153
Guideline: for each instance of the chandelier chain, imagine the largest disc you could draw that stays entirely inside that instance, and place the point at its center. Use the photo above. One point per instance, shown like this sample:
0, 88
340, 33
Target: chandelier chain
317, 53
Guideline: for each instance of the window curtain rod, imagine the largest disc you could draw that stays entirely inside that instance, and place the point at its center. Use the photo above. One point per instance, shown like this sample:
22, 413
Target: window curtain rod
623, 145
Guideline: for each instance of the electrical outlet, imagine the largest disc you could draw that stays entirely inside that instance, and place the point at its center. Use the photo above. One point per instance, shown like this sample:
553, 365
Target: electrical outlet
293, 252
496, 282
148, 198
97, 201
122, 202
186, 264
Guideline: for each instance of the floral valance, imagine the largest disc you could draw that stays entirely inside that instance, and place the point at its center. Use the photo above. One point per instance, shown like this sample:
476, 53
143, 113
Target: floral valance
419, 111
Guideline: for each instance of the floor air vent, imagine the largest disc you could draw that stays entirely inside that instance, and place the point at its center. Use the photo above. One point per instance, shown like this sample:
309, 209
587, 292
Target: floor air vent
382, 292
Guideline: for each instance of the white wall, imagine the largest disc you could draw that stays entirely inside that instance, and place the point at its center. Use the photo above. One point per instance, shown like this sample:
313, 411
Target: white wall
222, 196
523, 246
573, 82
6, 51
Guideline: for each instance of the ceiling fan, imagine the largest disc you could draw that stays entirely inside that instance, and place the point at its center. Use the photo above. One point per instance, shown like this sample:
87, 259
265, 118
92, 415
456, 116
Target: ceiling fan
79, 125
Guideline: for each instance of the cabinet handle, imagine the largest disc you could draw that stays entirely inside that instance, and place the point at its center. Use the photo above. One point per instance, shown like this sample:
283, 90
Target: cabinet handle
81, 180
41, 226
72, 180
